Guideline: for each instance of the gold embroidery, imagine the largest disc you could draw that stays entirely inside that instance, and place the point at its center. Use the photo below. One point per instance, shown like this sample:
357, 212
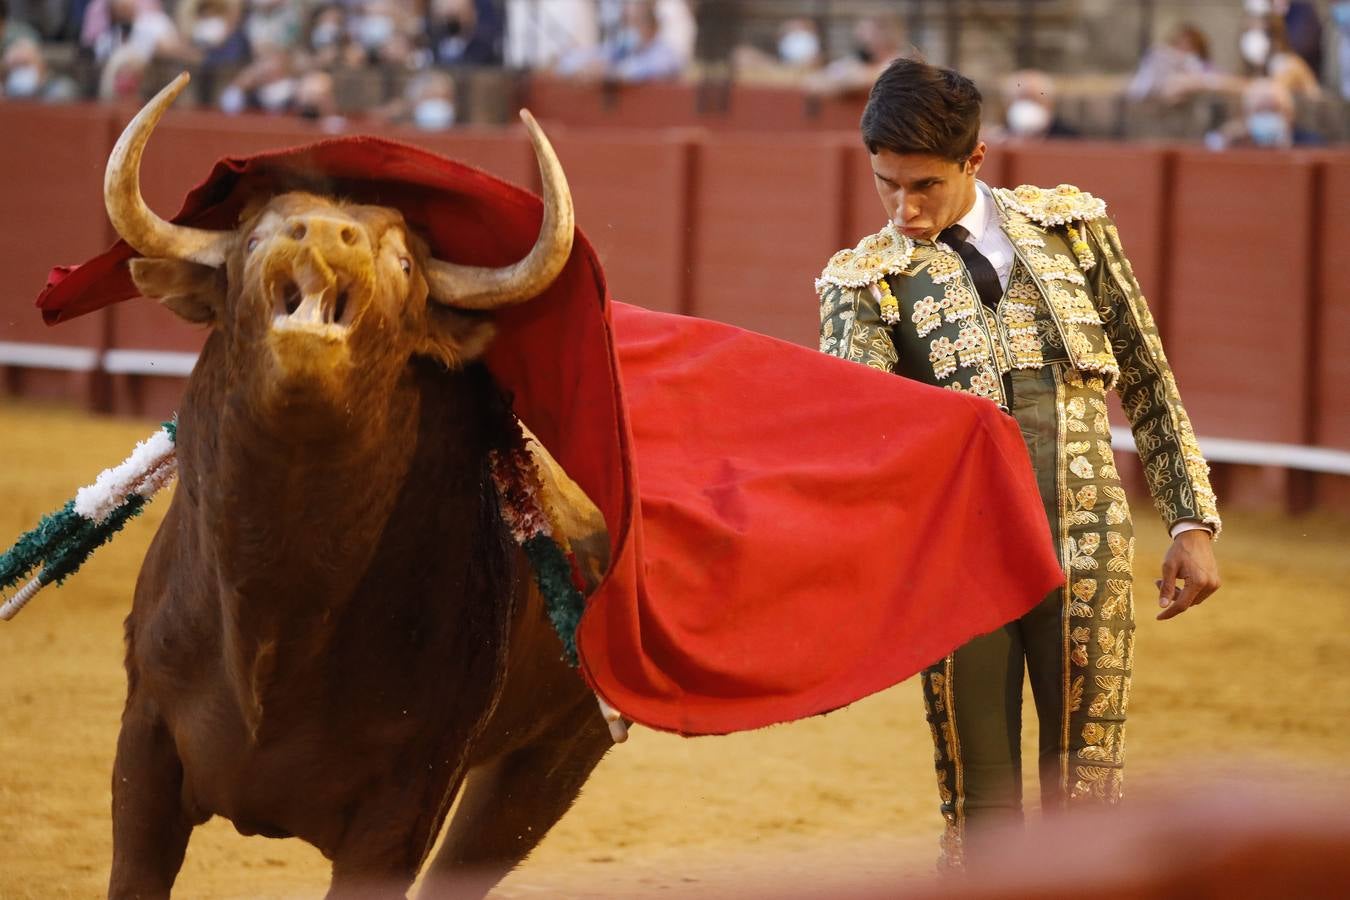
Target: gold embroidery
1076, 695
942, 354
1058, 206
1109, 699
1118, 597
926, 316
1112, 647
890, 307
888, 252
1122, 553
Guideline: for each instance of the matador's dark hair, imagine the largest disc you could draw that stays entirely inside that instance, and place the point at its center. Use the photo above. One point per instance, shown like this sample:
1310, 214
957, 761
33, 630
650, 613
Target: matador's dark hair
918, 108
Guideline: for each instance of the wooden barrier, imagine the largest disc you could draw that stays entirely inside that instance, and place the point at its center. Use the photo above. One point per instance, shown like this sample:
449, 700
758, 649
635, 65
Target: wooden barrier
1236, 251
767, 214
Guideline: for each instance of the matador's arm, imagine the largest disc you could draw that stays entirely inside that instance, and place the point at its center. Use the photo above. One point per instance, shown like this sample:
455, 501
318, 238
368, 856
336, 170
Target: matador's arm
1177, 474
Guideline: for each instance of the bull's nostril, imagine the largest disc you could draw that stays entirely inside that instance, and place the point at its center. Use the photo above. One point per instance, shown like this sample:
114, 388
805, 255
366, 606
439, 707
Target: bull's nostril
291, 298
298, 231
348, 235
340, 307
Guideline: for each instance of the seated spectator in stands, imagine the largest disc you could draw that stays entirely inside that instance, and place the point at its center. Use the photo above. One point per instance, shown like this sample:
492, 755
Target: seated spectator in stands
1174, 69
1267, 121
384, 29
1029, 98
462, 32
215, 28
539, 35
797, 54
267, 85
316, 100
1266, 53
122, 77
140, 26
12, 28
637, 53
274, 23
876, 41
326, 43
428, 102
24, 76
45, 18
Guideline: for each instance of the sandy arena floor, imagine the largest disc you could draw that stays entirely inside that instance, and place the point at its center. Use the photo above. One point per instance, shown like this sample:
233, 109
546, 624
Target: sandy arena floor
1256, 685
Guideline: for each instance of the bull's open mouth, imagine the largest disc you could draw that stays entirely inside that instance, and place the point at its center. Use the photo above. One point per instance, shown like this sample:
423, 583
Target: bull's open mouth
325, 314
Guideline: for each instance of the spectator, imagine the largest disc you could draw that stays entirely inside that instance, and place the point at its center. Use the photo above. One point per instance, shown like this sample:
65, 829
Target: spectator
14, 29
44, 17
140, 26
877, 40
1266, 52
798, 53
1267, 121
272, 23
540, 35
1174, 69
268, 84
24, 76
428, 102
215, 28
638, 53
316, 100
384, 30
1030, 115
326, 43
122, 77
462, 32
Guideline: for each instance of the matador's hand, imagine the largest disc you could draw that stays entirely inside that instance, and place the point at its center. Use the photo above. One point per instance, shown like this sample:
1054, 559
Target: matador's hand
1189, 559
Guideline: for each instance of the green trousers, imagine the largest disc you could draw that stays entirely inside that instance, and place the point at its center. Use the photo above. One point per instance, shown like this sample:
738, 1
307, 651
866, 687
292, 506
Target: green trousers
1075, 646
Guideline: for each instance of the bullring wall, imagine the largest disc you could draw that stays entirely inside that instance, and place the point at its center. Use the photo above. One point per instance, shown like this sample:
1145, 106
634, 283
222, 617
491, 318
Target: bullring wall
1240, 253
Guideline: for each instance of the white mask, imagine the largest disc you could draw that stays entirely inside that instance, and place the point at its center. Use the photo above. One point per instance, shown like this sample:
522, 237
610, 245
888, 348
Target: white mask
1269, 129
232, 100
1254, 45
23, 81
325, 34
434, 114
274, 95
210, 32
798, 47
375, 30
1027, 118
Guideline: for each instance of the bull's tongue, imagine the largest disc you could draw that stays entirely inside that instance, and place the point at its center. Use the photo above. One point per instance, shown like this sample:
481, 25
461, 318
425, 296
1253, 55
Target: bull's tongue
309, 312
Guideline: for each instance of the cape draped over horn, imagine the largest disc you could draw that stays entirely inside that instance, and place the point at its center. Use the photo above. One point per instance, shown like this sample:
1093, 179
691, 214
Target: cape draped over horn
465, 287
789, 531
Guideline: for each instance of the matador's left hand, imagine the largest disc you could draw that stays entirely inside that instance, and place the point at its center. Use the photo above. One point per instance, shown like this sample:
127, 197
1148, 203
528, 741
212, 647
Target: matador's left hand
1189, 559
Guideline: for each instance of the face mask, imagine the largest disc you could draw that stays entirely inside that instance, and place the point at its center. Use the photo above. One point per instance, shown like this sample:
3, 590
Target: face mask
797, 48
274, 95
435, 114
232, 100
375, 30
210, 32
325, 34
22, 82
1254, 45
1268, 129
1027, 118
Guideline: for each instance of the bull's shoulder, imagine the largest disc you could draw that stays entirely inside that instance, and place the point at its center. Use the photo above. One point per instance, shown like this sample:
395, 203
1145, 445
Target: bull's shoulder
888, 252
1048, 207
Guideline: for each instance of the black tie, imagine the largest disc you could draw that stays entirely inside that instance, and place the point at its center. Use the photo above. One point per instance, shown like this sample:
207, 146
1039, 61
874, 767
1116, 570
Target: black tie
981, 269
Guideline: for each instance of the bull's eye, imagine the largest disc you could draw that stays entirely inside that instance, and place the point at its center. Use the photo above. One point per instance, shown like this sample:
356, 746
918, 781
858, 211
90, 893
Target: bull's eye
252, 243
405, 264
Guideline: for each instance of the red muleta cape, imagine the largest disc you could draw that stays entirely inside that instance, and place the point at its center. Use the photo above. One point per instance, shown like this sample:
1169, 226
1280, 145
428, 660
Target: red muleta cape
789, 532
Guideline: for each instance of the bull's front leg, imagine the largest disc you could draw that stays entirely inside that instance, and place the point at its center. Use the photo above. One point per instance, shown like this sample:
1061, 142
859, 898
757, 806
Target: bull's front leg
150, 826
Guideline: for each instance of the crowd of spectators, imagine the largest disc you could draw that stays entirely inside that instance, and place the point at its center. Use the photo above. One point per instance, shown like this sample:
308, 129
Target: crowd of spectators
307, 57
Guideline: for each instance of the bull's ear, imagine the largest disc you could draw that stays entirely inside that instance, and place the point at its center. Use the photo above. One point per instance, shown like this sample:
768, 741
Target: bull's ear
193, 292
455, 337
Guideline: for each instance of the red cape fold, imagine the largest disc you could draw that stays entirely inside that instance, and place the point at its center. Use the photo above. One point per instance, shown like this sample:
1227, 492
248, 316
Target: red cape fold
789, 532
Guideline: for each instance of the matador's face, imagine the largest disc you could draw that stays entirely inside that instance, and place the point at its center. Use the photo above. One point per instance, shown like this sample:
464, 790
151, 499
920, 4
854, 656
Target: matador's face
924, 193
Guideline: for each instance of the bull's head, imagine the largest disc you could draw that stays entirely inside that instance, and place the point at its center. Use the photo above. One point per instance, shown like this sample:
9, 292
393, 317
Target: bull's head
309, 291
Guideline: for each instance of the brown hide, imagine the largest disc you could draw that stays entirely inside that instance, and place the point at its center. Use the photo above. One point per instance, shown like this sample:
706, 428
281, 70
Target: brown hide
332, 625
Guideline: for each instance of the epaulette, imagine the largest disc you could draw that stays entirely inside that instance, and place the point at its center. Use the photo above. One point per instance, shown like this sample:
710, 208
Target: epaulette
887, 252
1052, 206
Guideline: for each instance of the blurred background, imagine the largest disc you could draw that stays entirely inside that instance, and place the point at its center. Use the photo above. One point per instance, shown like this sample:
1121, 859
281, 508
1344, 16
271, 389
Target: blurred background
713, 153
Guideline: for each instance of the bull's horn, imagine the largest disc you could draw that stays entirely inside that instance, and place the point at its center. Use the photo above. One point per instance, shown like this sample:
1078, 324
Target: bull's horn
147, 233
471, 287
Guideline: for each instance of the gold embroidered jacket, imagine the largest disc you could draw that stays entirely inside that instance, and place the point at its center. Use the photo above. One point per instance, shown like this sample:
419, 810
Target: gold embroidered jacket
911, 307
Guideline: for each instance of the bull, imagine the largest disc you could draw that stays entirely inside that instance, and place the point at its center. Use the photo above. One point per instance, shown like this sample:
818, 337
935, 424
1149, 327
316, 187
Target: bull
333, 633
